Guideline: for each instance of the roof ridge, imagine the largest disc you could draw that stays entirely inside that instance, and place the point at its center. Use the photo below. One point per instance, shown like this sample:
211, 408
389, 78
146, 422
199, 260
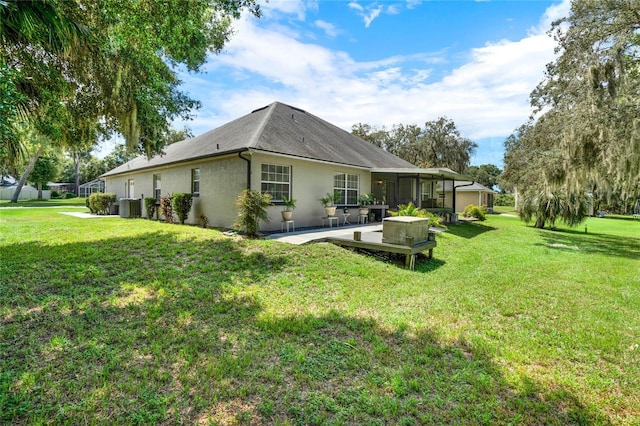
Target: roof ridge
253, 141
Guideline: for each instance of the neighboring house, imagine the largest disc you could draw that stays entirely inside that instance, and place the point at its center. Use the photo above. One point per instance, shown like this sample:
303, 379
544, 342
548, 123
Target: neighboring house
278, 149
86, 189
467, 192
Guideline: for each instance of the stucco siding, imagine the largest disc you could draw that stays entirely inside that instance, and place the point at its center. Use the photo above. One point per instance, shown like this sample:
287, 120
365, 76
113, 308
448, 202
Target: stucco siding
221, 180
310, 181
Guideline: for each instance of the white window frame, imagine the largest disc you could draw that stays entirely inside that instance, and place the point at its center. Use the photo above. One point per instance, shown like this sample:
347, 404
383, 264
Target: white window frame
157, 186
195, 181
348, 190
276, 175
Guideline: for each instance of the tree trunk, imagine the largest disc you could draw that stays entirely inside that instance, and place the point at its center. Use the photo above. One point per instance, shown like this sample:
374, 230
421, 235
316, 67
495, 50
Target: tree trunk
539, 222
77, 167
39, 190
25, 175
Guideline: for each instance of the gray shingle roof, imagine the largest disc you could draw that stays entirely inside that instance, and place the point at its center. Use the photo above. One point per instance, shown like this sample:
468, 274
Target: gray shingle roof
276, 128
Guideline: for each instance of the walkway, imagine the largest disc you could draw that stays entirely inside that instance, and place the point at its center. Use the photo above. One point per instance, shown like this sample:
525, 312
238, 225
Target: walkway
322, 234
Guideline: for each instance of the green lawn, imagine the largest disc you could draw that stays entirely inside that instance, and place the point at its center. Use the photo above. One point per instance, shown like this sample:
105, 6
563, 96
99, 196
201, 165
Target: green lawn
116, 321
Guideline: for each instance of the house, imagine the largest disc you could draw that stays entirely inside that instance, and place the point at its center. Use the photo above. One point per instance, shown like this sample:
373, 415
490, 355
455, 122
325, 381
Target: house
441, 195
282, 150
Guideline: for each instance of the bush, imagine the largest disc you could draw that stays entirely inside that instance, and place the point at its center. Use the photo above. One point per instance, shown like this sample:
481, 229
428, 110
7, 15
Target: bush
68, 195
150, 206
504, 200
166, 207
100, 203
475, 211
252, 208
55, 194
182, 202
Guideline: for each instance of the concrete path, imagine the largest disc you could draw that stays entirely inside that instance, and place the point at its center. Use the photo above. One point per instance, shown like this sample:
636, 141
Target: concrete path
321, 234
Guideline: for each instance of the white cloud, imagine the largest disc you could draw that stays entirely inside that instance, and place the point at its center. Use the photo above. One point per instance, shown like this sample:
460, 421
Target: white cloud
487, 97
328, 28
368, 14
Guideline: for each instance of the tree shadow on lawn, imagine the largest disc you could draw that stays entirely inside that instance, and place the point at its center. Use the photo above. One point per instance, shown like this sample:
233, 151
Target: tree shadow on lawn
593, 243
469, 229
169, 336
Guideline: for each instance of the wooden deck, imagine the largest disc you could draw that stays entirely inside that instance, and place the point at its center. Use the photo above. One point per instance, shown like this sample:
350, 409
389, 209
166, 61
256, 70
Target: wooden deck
373, 241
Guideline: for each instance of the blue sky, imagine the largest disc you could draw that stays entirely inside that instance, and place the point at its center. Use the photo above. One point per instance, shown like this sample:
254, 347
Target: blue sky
385, 63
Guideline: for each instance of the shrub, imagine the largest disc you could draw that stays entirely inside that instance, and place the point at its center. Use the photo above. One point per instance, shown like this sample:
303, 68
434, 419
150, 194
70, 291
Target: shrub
166, 208
182, 202
504, 200
100, 202
411, 210
203, 220
68, 195
150, 206
252, 208
55, 194
475, 211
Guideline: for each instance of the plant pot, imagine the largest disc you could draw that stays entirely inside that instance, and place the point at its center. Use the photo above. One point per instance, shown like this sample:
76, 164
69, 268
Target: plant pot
287, 215
330, 211
364, 211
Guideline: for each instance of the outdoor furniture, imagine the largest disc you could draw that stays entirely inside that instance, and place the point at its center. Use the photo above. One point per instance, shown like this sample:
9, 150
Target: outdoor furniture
345, 216
363, 218
330, 220
287, 223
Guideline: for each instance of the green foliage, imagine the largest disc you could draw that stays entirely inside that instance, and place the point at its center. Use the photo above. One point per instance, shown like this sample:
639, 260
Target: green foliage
150, 206
328, 200
46, 169
68, 195
365, 199
289, 204
590, 101
411, 210
475, 211
166, 208
486, 174
504, 200
548, 207
252, 208
438, 144
79, 62
182, 202
100, 202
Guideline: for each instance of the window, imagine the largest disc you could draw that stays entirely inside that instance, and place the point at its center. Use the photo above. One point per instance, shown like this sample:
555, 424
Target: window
195, 181
130, 189
276, 180
346, 188
157, 187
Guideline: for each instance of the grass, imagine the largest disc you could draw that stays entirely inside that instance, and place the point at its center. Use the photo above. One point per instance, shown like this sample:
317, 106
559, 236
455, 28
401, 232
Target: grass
130, 321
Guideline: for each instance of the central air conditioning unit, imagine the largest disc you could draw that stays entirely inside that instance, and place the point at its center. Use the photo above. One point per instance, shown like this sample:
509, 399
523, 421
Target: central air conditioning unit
130, 207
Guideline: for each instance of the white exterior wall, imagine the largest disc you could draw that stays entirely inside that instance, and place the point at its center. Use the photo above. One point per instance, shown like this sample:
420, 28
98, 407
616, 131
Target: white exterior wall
310, 181
223, 179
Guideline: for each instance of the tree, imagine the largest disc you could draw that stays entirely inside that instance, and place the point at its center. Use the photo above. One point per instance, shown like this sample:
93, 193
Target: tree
45, 170
486, 174
75, 64
439, 144
592, 92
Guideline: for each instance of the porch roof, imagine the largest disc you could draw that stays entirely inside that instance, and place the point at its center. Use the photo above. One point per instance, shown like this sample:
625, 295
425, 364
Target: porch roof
429, 173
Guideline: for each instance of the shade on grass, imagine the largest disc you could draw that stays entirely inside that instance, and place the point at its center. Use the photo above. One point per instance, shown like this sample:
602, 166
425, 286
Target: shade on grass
134, 321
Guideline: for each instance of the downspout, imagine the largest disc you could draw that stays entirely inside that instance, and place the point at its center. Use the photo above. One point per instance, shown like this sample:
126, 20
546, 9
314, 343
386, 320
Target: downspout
248, 160
454, 192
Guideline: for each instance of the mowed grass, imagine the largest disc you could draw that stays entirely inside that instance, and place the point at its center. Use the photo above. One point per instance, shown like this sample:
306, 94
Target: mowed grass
129, 321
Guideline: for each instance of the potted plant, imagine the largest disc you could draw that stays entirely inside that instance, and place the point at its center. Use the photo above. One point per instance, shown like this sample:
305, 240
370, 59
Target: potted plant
364, 200
328, 202
289, 204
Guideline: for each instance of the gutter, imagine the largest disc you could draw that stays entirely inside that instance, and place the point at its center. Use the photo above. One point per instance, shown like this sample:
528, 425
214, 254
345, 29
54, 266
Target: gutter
454, 192
248, 160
